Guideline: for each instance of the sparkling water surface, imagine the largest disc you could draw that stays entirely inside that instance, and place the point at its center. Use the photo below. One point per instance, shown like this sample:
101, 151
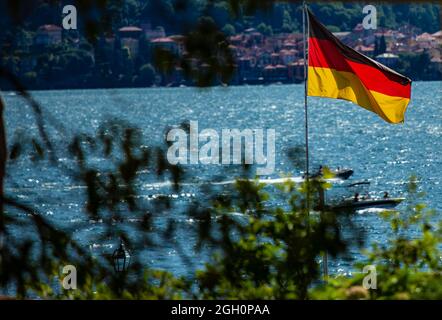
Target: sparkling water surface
341, 134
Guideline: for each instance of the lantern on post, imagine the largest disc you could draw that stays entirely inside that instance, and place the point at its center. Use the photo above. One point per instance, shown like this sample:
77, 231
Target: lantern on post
121, 258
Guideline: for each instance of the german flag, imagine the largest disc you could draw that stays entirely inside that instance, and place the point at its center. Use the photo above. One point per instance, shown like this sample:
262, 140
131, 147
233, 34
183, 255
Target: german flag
337, 71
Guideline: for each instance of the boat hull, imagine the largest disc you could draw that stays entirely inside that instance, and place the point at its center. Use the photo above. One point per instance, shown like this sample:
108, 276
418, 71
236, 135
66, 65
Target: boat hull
344, 174
373, 203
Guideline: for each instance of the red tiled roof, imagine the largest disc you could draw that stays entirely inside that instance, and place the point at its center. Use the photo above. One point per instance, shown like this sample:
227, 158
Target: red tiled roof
363, 48
177, 37
425, 37
49, 27
130, 29
237, 37
162, 40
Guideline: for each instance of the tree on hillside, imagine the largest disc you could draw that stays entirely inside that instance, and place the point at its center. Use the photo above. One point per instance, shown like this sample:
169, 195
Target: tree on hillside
147, 75
382, 46
265, 29
229, 30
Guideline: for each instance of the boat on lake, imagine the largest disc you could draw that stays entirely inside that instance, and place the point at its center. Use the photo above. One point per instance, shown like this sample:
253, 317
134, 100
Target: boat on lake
356, 204
342, 174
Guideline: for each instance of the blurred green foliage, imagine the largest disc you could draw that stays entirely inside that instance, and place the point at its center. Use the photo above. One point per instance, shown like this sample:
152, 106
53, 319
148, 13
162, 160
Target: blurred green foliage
406, 268
259, 250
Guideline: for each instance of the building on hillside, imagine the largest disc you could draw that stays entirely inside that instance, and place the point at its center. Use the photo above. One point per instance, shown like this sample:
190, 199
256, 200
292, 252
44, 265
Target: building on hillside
167, 43
236, 40
296, 71
48, 34
278, 73
438, 37
289, 45
388, 59
275, 58
133, 45
257, 38
248, 71
129, 38
263, 59
365, 50
287, 56
130, 32
426, 41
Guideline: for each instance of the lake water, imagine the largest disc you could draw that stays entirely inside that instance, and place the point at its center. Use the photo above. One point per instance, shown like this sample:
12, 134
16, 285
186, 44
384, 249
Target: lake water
341, 134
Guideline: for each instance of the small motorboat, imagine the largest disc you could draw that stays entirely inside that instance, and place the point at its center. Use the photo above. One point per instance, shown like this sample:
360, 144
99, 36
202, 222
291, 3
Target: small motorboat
353, 204
342, 174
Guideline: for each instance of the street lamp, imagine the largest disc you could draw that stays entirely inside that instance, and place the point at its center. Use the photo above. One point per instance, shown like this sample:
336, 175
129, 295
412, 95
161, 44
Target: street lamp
121, 258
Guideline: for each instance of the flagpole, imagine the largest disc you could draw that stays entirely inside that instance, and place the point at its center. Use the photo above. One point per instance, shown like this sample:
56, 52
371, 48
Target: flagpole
306, 31
305, 38
307, 165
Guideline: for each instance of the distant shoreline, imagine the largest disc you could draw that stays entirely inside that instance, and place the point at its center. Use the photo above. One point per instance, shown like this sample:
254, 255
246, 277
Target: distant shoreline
175, 87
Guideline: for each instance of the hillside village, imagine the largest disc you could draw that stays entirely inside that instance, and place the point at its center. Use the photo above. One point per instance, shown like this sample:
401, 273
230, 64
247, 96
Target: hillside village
126, 57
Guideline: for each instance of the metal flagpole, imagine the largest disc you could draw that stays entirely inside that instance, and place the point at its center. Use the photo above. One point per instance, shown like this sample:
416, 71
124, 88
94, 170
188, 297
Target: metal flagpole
305, 38
307, 169
306, 31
